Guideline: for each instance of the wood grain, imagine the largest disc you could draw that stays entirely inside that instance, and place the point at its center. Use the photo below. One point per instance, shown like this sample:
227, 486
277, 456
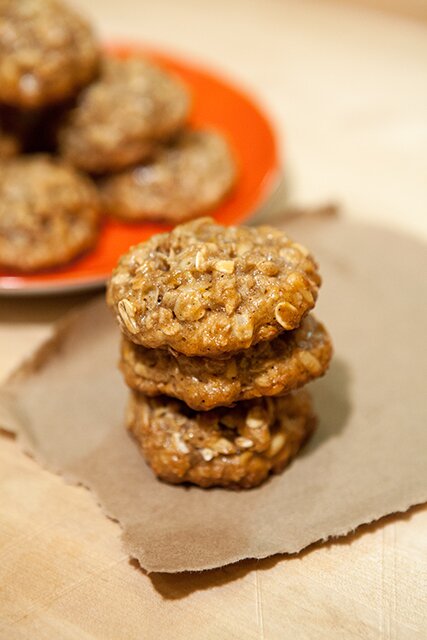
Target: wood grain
348, 91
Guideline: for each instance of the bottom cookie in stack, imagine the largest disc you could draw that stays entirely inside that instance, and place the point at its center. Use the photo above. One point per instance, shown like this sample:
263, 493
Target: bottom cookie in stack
233, 447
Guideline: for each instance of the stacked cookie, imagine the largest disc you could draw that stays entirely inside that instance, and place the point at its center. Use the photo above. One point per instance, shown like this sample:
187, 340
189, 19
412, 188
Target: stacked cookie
113, 132
217, 343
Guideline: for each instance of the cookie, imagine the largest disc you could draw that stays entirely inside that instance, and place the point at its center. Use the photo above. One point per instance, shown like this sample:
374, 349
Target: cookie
119, 119
47, 52
184, 179
207, 290
49, 213
273, 368
237, 447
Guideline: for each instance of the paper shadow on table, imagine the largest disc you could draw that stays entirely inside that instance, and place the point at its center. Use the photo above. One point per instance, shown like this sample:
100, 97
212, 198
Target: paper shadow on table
175, 586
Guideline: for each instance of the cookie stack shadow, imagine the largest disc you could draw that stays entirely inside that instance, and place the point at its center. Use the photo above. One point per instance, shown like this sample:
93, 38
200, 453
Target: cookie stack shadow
217, 344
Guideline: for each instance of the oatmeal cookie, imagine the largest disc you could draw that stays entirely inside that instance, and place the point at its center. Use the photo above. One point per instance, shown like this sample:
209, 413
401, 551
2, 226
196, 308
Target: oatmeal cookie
207, 290
188, 177
48, 213
233, 448
121, 116
47, 52
273, 368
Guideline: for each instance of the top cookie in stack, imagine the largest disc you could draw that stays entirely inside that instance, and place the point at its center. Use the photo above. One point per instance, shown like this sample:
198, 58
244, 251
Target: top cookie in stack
208, 290
218, 317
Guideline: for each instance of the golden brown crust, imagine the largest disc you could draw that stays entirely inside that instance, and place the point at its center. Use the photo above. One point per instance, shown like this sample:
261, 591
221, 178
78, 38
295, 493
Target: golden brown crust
184, 179
47, 52
119, 118
49, 213
232, 448
206, 290
273, 368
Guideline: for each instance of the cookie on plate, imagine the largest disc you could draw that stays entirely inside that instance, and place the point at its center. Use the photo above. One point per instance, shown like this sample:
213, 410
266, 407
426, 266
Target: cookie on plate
119, 119
184, 179
273, 368
207, 290
47, 52
229, 447
49, 213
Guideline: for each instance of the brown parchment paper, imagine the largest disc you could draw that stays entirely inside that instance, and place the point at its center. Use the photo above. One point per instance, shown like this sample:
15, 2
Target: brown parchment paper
367, 459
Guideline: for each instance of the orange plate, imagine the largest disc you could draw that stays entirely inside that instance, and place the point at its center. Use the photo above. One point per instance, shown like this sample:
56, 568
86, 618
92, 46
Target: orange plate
216, 103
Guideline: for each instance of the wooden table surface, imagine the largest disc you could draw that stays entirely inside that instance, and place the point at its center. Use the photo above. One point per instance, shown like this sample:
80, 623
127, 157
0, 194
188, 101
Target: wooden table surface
347, 89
